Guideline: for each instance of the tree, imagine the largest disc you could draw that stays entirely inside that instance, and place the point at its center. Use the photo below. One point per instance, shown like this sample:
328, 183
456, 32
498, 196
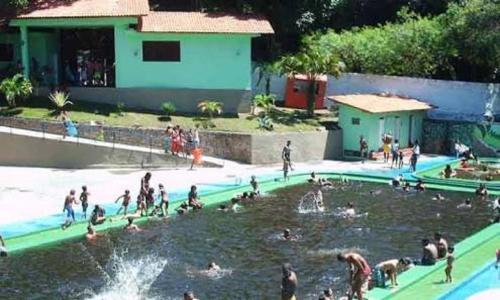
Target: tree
16, 88
473, 28
211, 108
266, 72
312, 61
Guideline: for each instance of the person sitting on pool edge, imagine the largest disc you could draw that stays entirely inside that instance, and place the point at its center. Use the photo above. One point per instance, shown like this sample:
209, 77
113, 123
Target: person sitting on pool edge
234, 203
313, 178
391, 268
420, 187
97, 217
398, 180
441, 244
406, 187
482, 191
193, 200
430, 253
255, 185
448, 172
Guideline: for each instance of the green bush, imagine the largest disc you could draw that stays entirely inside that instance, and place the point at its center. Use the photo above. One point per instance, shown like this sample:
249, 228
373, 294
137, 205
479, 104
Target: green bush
120, 108
168, 108
15, 88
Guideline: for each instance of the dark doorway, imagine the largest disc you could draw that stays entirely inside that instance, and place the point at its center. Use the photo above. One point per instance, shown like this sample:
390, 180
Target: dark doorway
88, 57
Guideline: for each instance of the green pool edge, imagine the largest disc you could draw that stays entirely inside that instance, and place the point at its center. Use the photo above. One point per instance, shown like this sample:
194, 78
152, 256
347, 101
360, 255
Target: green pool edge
407, 280
425, 282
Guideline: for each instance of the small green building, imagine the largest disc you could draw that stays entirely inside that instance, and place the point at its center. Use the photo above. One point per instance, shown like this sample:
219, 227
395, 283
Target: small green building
372, 116
120, 50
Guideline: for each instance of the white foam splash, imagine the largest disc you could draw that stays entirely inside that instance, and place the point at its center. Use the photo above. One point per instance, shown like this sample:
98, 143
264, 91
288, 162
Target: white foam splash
130, 279
311, 203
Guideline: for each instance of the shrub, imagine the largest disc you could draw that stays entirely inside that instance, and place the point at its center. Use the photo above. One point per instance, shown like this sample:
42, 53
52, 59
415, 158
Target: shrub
120, 108
264, 101
16, 88
210, 107
265, 122
168, 108
60, 100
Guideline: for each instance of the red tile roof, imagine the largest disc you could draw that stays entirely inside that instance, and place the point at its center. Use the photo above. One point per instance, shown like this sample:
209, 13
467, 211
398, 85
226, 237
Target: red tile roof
84, 8
197, 22
380, 103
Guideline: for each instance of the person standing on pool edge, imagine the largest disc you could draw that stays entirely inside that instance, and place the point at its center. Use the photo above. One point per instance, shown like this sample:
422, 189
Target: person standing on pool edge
145, 186
359, 272
286, 156
289, 282
68, 208
84, 199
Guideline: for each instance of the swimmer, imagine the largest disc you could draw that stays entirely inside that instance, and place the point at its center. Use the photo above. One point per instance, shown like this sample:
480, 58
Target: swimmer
287, 236
359, 272
430, 253
448, 172
156, 211
131, 226
420, 187
289, 282
327, 294
91, 233
325, 183
438, 196
397, 181
467, 204
406, 187
482, 191
183, 209
349, 211
313, 178
213, 267
126, 201
189, 296
255, 185
3, 248
375, 192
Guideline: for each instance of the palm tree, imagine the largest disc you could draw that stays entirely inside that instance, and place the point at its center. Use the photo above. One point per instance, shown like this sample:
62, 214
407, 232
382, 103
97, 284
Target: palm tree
210, 107
312, 61
60, 100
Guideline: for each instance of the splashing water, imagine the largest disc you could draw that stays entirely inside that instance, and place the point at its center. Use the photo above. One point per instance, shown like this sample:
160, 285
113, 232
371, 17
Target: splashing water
311, 202
130, 278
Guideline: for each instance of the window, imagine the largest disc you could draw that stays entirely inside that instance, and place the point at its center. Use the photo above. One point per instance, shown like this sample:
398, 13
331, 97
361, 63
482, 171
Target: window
6, 52
161, 51
355, 121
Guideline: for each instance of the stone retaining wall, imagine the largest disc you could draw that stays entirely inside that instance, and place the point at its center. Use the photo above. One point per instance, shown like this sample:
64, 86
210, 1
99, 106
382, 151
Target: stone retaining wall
253, 148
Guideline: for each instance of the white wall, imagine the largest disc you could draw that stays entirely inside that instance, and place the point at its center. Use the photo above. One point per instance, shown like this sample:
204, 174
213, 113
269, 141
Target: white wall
455, 100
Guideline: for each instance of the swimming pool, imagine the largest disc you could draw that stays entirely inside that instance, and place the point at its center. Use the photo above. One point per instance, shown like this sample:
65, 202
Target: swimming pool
485, 284
170, 255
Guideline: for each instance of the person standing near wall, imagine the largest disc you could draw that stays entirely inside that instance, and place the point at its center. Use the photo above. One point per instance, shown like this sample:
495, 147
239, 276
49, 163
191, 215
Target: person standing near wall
414, 157
363, 148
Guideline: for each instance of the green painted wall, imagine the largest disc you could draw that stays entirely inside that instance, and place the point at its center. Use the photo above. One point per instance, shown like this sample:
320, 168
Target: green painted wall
44, 48
208, 61
14, 39
369, 127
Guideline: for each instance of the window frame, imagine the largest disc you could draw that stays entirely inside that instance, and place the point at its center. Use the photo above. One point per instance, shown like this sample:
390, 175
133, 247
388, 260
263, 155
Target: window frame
356, 121
155, 55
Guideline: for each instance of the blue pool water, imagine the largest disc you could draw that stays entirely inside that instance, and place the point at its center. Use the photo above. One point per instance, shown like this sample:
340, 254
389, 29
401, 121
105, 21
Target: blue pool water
488, 278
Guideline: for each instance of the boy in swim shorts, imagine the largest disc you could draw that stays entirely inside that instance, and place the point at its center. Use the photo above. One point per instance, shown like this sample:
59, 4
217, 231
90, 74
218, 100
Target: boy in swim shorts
360, 272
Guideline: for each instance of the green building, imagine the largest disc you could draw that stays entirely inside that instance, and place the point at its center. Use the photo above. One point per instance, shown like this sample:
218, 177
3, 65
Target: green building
119, 50
372, 116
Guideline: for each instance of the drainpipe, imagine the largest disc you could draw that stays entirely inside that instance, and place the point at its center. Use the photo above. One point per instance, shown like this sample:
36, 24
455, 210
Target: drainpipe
25, 56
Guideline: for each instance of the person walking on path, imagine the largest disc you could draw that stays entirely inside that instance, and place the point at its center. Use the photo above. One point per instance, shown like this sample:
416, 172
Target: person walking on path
286, 155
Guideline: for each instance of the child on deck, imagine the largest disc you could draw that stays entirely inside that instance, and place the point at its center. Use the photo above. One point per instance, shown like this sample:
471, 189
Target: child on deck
401, 156
255, 185
84, 198
449, 264
125, 202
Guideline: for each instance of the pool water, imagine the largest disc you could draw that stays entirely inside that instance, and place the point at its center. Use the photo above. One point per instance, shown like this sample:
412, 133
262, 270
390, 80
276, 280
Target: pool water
170, 256
485, 282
